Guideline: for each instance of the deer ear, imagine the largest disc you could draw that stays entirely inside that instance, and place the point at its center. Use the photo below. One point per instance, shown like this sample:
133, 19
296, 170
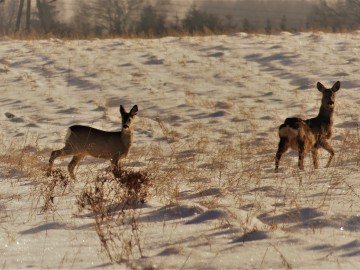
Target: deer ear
336, 86
320, 87
134, 110
122, 110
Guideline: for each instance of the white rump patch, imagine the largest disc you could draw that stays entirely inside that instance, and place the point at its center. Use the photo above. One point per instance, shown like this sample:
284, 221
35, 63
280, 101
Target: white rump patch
288, 132
68, 133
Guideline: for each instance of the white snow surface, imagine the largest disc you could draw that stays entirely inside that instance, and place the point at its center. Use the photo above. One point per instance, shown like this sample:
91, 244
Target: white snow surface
209, 109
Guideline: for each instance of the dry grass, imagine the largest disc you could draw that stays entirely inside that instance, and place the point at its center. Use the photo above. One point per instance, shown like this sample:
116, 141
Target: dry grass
114, 203
240, 172
26, 160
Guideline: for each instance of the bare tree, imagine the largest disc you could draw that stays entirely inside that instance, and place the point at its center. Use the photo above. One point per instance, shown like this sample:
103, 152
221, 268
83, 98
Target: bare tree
8, 12
197, 20
47, 15
325, 16
83, 23
151, 23
283, 23
337, 16
116, 16
352, 13
106, 16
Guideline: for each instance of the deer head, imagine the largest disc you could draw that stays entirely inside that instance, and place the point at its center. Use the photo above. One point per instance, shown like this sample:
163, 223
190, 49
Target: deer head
328, 98
127, 117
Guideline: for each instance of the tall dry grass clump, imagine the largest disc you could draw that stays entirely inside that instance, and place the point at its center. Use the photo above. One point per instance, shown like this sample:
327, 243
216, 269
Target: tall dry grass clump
114, 202
26, 160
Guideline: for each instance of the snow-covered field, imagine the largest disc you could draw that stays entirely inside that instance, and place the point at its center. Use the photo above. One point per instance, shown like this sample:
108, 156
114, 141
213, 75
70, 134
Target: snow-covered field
206, 131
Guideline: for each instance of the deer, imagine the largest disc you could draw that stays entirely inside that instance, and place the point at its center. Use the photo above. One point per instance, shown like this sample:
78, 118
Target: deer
310, 134
82, 141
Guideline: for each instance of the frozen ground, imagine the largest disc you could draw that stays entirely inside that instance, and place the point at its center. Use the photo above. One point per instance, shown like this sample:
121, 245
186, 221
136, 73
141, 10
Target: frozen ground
209, 109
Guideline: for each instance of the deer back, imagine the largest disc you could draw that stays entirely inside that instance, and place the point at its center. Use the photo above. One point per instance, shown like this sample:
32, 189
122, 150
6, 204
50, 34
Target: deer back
97, 143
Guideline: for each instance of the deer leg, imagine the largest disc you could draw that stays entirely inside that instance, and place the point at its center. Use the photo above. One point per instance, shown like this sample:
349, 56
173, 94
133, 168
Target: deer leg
58, 153
75, 160
54, 155
315, 155
116, 163
301, 145
327, 147
282, 148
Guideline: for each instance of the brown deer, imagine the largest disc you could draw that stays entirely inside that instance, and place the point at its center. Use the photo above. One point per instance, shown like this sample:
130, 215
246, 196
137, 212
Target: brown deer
82, 141
310, 134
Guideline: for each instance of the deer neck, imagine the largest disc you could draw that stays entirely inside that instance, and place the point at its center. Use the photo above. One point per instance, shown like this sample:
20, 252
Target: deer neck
127, 137
326, 115
323, 123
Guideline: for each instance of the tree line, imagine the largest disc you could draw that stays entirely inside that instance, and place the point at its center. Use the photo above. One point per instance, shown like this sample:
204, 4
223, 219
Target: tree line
166, 17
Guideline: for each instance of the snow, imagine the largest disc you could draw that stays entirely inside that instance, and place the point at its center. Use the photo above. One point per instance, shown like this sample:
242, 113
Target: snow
209, 111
